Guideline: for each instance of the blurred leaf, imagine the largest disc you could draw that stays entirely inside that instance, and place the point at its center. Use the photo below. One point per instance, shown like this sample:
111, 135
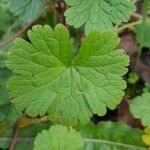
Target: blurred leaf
133, 78
143, 34
4, 2
4, 138
25, 138
146, 136
27, 135
143, 29
146, 87
2, 59
3, 96
109, 134
8, 115
58, 138
5, 16
26, 9
140, 108
4, 75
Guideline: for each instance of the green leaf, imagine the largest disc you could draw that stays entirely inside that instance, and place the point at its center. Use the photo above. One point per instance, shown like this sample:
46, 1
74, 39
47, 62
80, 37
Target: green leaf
142, 34
98, 13
70, 89
26, 9
58, 138
140, 108
111, 136
8, 115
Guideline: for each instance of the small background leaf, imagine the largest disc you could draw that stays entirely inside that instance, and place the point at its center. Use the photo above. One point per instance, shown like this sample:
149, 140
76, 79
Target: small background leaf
58, 138
142, 34
26, 9
106, 132
98, 13
140, 108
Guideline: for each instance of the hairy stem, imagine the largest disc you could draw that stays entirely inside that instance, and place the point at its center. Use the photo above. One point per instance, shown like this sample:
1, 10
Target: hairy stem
120, 29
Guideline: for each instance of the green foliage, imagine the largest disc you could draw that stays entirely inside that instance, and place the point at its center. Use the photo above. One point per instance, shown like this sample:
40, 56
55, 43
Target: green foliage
142, 34
50, 80
111, 136
140, 108
98, 13
26, 9
55, 76
58, 138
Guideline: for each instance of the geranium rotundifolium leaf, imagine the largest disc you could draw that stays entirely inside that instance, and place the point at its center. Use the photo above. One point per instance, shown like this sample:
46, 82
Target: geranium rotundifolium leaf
70, 89
98, 13
140, 108
58, 138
